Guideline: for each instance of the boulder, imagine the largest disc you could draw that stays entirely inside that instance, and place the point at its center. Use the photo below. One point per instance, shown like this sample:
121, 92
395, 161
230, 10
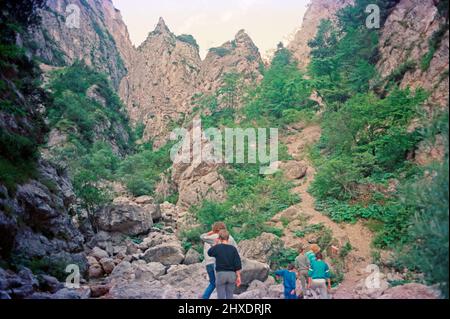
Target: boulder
192, 257
91, 260
122, 272
169, 211
107, 265
261, 248
411, 291
166, 253
293, 170
156, 238
142, 271
198, 180
17, 285
275, 292
144, 200
99, 253
132, 248
49, 284
120, 250
191, 279
65, 293
157, 269
126, 219
154, 211
95, 271
262, 290
253, 270
99, 290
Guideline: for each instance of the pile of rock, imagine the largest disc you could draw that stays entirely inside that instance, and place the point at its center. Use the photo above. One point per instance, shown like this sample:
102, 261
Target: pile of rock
25, 285
157, 267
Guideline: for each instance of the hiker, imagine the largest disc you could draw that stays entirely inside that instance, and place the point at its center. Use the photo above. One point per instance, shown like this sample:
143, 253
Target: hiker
289, 280
302, 265
319, 276
228, 266
208, 241
311, 253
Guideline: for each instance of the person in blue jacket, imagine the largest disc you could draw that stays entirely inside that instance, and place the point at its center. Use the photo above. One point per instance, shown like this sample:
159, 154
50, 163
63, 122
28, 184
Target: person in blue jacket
289, 278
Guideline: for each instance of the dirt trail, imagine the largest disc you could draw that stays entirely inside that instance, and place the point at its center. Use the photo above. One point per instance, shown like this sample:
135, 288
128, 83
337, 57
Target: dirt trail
357, 235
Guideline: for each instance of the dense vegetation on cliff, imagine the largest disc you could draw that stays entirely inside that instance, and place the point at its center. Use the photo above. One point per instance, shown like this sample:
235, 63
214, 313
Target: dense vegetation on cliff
21, 126
99, 147
366, 146
367, 143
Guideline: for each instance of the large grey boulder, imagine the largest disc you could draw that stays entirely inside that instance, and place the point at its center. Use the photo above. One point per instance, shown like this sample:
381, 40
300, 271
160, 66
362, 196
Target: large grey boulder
155, 239
261, 248
125, 219
98, 253
192, 257
253, 270
49, 284
167, 254
148, 271
17, 285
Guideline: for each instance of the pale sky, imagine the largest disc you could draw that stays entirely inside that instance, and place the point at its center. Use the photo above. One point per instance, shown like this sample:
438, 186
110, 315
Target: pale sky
213, 22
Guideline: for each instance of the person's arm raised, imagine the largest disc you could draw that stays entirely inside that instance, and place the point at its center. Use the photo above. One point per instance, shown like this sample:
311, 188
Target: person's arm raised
209, 238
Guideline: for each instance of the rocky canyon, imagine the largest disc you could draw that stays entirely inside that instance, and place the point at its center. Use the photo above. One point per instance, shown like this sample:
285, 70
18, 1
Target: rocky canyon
86, 174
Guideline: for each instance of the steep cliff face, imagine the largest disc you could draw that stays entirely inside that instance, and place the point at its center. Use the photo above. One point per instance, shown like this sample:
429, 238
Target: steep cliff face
167, 71
317, 11
36, 199
35, 222
89, 30
239, 56
414, 44
160, 80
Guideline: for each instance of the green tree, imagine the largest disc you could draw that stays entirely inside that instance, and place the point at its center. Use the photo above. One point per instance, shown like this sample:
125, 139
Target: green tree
428, 245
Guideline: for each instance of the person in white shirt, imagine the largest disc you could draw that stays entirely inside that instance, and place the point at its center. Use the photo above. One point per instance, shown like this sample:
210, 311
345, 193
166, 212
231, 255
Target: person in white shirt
209, 239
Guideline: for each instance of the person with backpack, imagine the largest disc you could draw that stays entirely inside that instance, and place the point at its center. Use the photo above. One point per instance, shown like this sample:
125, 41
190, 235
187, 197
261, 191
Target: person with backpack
209, 239
289, 281
228, 266
319, 276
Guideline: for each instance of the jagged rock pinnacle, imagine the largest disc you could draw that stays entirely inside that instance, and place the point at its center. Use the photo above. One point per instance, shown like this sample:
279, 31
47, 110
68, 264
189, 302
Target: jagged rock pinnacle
242, 38
161, 27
